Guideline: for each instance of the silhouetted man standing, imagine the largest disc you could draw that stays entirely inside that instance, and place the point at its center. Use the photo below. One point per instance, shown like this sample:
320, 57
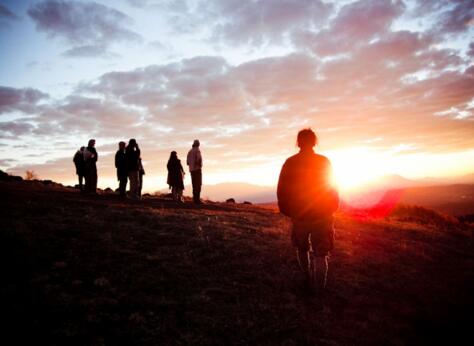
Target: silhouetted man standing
80, 165
194, 161
121, 165
306, 195
90, 159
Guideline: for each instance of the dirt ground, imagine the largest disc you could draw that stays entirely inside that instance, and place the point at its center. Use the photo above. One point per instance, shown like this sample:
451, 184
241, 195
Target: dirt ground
100, 270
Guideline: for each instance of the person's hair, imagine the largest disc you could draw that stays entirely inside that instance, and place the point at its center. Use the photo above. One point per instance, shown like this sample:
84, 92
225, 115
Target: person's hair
91, 142
306, 138
132, 142
196, 143
122, 143
82, 148
173, 155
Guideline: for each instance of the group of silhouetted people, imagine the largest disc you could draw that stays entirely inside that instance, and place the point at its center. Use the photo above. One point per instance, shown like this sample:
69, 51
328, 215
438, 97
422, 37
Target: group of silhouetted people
128, 163
305, 194
86, 169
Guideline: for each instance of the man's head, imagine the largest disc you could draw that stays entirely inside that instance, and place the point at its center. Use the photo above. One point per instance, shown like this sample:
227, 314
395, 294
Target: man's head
121, 145
306, 139
196, 143
132, 143
91, 143
82, 149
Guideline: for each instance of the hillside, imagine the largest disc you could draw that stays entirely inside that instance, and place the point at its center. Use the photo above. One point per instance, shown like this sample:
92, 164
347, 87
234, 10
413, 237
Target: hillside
455, 199
98, 270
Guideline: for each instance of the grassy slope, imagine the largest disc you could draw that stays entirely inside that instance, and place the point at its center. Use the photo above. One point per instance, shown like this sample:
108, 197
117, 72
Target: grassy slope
99, 270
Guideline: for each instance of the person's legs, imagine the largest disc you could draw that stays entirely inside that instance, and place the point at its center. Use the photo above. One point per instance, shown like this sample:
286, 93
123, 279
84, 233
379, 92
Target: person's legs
304, 261
174, 193
140, 184
322, 243
94, 179
300, 240
133, 176
320, 272
180, 194
87, 179
122, 185
196, 178
80, 177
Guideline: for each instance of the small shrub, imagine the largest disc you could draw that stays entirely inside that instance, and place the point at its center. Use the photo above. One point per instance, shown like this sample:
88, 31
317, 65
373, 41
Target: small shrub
31, 175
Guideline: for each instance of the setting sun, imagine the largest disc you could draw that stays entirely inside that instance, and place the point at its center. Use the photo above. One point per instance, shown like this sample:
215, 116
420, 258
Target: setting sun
353, 168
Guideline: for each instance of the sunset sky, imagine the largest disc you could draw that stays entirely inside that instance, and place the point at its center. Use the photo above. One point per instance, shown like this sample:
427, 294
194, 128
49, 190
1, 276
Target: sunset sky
388, 86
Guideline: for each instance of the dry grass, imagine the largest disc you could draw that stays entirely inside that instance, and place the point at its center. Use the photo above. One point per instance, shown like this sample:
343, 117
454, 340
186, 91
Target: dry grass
98, 270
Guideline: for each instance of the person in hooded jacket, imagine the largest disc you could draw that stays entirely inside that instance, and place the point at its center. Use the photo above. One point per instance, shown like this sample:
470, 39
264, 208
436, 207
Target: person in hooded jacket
90, 160
175, 177
80, 166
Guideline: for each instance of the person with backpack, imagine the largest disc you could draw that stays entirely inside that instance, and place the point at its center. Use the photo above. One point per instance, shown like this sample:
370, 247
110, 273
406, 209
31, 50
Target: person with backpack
306, 195
80, 166
90, 160
175, 177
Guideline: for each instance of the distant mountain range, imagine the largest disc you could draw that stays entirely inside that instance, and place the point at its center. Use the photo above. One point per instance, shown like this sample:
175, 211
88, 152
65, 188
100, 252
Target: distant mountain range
266, 194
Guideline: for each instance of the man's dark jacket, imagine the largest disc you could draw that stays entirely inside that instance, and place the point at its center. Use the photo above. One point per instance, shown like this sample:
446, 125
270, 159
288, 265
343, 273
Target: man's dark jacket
304, 187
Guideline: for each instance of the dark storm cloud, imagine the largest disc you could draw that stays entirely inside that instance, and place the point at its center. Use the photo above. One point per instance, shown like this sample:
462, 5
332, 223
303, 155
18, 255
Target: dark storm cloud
88, 27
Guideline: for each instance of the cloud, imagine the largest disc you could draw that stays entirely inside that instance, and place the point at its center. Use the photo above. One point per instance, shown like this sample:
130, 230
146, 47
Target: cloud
254, 23
450, 16
260, 22
207, 95
23, 100
6, 17
88, 51
351, 76
256, 108
88, 27
5, 13
14, 129
354, 26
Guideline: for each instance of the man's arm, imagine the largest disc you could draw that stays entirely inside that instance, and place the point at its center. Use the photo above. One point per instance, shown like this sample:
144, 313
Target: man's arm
198, 159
